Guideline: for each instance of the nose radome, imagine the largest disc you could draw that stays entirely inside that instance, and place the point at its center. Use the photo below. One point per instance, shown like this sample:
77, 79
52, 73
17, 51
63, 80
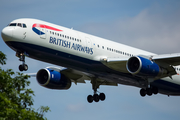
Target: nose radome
6, 34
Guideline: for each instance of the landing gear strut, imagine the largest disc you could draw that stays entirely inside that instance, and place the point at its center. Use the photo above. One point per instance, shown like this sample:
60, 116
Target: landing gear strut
23, 66
95, 97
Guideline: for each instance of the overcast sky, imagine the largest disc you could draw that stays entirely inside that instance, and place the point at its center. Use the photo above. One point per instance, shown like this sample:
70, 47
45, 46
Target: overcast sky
152, 25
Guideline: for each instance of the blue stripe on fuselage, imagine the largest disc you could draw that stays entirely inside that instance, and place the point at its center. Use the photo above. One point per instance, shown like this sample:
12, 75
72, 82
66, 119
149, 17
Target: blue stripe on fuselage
37, 31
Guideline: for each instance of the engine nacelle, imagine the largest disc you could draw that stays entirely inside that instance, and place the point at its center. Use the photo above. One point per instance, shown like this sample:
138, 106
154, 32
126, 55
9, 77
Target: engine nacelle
52, 79
144, 67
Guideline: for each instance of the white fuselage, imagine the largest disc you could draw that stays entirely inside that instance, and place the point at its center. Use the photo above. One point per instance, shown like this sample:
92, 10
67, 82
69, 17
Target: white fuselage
77, 50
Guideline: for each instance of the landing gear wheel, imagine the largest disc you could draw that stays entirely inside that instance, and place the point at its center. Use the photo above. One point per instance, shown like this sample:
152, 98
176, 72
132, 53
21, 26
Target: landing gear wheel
143, 92
90, 98
96, 97
21, 68
25, 67
149, 91
155, 90
102, 96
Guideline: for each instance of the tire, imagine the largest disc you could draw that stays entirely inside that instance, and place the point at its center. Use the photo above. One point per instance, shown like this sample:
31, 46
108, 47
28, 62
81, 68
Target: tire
90, 98
25, 67
143, 92
21, 68
149, 91
155, 90
96, 97
102, 96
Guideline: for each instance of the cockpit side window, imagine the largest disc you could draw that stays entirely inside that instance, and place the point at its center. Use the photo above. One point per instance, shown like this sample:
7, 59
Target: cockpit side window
12, 24
24, 26
19, 24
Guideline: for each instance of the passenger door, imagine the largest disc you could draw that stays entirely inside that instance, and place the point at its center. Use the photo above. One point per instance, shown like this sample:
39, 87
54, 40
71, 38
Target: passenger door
88, 42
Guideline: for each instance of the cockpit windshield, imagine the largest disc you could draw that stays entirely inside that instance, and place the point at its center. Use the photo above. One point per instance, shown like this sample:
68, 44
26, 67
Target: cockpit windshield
12, 24
18, 24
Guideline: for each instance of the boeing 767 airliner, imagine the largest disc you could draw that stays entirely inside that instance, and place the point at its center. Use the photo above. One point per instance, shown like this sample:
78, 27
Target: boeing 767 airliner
87, 57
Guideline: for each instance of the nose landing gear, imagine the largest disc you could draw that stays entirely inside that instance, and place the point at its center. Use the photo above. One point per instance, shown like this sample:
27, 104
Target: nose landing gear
23, 66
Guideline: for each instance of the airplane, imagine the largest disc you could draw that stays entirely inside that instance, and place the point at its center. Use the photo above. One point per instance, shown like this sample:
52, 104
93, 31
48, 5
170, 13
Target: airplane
88, 57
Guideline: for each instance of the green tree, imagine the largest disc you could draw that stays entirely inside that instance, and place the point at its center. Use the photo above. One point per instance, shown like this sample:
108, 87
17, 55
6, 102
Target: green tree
15, 98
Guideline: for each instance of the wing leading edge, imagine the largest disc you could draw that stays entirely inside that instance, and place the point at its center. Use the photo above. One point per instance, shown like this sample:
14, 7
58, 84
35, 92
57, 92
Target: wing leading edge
170, 59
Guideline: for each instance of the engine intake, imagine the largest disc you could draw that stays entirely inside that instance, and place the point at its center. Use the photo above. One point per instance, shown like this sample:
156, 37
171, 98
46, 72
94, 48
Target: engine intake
52, 79
144, 67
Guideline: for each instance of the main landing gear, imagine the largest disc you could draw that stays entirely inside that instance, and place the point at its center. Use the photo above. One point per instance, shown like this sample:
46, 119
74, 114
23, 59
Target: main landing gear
148, 91
23, 66
95, 97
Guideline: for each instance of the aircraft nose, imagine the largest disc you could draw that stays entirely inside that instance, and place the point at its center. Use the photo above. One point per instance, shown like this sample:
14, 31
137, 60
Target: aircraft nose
6, 34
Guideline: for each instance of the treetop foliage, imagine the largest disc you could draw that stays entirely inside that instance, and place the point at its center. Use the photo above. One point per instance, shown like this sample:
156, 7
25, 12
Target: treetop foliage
15, 98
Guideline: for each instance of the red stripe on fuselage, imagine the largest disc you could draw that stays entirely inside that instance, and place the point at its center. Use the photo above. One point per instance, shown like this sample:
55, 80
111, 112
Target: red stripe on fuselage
45, 26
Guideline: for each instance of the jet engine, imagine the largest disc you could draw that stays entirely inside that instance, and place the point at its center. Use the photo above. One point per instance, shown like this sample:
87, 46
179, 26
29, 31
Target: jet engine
137, 65
52, 79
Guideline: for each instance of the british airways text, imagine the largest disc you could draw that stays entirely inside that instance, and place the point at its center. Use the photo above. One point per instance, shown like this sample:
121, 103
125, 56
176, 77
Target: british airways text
70, 45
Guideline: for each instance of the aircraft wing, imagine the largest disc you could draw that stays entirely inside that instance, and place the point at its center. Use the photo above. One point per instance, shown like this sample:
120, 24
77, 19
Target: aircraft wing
80, 77
31, 74
165, 61
170, 59
116, 63
77, 76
